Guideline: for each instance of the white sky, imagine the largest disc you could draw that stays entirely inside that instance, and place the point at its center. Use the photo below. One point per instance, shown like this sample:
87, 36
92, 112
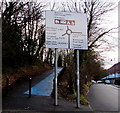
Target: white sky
112, 55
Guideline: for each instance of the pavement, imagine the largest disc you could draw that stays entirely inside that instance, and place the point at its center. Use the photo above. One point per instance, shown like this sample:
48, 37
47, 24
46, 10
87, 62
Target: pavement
17, 101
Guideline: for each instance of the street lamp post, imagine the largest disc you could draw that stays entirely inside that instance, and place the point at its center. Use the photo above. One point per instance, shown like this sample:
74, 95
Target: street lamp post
114, 71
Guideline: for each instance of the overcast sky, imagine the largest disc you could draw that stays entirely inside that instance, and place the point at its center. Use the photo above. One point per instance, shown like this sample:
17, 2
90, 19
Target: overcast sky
112, 55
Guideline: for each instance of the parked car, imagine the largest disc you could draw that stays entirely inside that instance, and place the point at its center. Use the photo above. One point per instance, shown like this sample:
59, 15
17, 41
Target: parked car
93, 81
107, 81
99, 81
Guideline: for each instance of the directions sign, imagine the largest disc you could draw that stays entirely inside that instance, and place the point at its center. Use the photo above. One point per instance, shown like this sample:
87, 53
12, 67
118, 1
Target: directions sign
64, 22
66, 30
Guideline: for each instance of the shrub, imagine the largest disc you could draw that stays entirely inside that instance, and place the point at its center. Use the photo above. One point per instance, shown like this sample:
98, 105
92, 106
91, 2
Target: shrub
83, 100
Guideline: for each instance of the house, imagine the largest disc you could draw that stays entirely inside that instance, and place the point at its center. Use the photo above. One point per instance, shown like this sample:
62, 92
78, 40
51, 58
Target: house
113, 74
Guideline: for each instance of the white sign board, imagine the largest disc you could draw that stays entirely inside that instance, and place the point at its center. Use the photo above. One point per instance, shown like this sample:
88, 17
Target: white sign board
66, 30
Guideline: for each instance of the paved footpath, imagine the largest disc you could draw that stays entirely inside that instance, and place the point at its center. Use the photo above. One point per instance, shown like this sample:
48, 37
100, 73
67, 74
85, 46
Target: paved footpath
18, 101
44, 87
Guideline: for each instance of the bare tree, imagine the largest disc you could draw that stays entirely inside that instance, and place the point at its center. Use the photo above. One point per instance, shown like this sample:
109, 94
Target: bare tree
95, 10
25, 20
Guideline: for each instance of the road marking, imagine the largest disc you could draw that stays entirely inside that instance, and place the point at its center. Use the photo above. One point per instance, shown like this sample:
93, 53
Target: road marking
90, 107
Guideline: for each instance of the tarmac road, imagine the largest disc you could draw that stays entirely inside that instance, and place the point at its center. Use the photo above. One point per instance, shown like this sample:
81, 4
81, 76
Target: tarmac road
103, 97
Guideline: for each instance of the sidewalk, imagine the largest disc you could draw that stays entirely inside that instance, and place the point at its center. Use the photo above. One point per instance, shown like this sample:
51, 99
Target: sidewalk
17, 101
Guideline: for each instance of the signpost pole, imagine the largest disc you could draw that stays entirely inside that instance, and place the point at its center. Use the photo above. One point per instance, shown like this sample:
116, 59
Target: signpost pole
56, 58
78, 78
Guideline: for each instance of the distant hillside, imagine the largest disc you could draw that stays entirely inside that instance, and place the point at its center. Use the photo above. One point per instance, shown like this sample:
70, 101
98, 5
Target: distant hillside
114, 69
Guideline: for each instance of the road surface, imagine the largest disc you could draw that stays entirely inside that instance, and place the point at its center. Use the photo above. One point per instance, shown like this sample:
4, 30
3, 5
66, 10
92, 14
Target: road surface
103, 97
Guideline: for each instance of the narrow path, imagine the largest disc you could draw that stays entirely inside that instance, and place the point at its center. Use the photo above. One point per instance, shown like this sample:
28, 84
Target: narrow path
44, 87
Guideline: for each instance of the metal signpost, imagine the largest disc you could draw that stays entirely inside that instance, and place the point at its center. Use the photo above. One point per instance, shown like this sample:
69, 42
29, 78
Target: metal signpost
56, 74
66, 30
78, 84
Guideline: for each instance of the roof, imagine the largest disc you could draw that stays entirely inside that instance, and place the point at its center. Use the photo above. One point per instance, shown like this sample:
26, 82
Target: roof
115, 68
